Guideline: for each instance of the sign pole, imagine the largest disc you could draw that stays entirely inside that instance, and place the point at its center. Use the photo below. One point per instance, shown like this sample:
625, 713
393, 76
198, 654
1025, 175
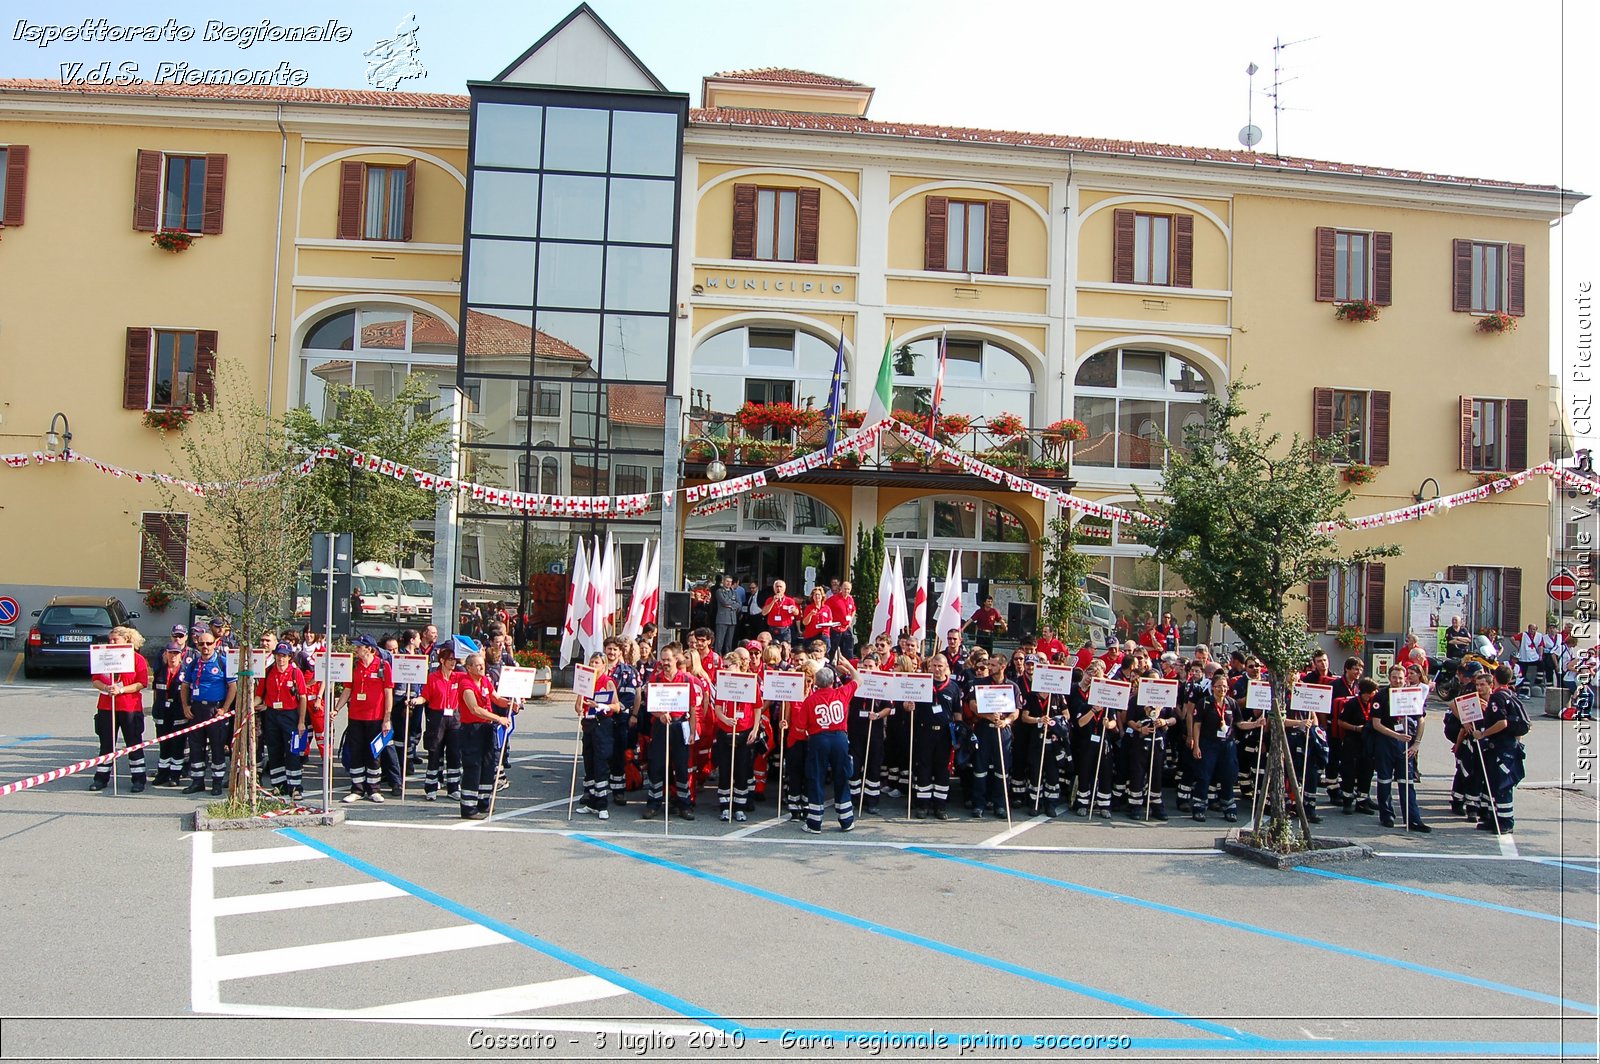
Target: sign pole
1044, 737
328, 701
911, 758
866, 756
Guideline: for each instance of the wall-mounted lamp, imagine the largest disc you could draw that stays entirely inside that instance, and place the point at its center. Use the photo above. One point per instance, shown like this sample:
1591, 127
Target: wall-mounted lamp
59, 442
1418, 497
715, 470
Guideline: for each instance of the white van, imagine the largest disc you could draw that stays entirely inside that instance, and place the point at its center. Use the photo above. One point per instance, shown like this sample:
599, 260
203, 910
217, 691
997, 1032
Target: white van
379, 588
416, 595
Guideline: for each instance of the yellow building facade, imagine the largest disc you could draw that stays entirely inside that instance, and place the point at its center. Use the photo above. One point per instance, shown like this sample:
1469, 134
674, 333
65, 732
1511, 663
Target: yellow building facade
1115, 284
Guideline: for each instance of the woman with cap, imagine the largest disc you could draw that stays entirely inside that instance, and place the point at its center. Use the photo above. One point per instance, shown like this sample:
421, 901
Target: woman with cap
441, 731
120, 708
369, 698
281, 699
166, 676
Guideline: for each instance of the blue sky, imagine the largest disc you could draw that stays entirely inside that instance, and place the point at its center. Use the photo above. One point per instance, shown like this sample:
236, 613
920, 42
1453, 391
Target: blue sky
1473, 88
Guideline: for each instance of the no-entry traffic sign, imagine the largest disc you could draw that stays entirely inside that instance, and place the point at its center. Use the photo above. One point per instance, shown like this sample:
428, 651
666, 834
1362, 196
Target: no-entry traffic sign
1562, 587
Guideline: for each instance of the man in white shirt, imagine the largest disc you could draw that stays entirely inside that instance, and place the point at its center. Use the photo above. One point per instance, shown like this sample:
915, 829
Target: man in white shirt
1530, 651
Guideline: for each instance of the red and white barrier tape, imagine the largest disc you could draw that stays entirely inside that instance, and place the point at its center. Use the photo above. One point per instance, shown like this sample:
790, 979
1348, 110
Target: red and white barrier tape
94, 762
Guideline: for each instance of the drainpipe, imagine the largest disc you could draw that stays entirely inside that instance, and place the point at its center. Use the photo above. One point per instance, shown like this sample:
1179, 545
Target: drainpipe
277, 256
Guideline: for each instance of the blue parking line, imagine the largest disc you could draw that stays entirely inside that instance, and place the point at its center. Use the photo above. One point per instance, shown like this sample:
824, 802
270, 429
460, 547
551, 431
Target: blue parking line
1474, 902
1119, 1000
549, 949
1556, 862
1266, 932
19, 740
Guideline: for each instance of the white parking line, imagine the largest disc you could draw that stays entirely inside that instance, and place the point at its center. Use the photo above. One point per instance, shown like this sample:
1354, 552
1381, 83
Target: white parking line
573, 991
1013, 831
269, 855
354, 951
278, 901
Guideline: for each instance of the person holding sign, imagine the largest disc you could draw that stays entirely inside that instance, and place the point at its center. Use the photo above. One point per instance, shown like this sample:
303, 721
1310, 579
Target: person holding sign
167, 709
207, 691
625, 720
931, 723
669, 739
736, 723
479, 757
1093, 728
994, 705
1397, 712
441, 732
1464, 788
1031, 744
867, 735
1504, 722
824, 715
1252, 696
1354, 766
596, 710
282, 694
1144, 727
369, 700
120, 707
1212, 745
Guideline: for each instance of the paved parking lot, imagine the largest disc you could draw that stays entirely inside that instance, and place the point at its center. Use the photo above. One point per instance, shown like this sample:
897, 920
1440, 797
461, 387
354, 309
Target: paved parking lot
409, 933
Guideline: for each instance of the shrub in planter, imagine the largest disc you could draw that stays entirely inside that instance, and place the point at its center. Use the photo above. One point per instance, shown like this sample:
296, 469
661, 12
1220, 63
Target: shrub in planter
1356, 310
1497, 322
1359, 473
1351, 638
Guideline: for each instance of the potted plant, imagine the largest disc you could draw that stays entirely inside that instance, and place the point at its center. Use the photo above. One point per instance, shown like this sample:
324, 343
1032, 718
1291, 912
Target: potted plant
157, 599
846, 460
1356, 310
905, 460
1350, 638
1497, 321
1050, 468
1359, 473
852, 419
539, 662
698, 451
1006, 426
1003, 458
174, 418
1485, 479
948, 426
1068, 428
173, 240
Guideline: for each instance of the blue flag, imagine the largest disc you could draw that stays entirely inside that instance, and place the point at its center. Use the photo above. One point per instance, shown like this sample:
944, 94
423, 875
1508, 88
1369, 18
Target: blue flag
835, 398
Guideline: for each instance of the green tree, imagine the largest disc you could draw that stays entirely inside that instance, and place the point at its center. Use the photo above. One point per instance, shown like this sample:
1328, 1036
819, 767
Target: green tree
1241, 511
377, 510
247, 537
865, 572
1062, 603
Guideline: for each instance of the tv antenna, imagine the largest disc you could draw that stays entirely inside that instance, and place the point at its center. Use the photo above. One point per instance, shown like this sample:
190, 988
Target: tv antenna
1278, 82
1250, 135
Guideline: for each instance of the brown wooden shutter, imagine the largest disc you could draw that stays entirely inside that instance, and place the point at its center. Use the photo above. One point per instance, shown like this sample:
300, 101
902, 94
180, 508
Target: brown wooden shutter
1456, 574
1510, 600
1377, 577
1325, 264
147, 191
1317, 605
1516, 435
1321, 413
136, 370
163, 550
999, 257
1465, 411
1461, 282
216, 186
1516, 279
411, 200
1183, 251
352, 184
935, 231
807, 222
16, 184
744, 221
1122, 247
1383, 268
1378, 430
205, 369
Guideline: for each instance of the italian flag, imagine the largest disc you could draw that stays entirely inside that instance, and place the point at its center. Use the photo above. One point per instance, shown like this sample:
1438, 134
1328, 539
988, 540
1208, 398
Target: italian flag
882, 400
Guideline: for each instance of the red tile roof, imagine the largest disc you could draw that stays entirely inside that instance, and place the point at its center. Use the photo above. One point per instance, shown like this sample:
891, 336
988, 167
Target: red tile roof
264, 93
789, 76
641, 405
490, 334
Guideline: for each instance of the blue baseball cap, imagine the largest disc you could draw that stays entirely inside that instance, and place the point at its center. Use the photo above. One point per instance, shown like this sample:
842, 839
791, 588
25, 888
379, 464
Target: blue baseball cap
283, 648
366, 641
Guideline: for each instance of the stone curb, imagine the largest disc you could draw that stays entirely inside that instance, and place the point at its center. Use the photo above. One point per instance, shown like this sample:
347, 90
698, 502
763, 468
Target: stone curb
1324, 851
198, 821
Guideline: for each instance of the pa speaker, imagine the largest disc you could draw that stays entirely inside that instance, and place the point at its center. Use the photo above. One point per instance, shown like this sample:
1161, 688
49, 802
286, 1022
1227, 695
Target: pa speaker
1022, 619
674, 610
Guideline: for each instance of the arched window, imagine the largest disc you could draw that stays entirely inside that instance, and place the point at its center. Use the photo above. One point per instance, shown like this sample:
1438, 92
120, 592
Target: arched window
1134, 402
994, 541
761, 364
981, 378
373, 348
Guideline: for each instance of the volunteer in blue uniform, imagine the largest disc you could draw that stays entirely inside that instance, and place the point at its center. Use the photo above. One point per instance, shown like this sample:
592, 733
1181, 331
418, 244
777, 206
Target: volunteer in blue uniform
1392, 743
624, 721
933, 722
208, 691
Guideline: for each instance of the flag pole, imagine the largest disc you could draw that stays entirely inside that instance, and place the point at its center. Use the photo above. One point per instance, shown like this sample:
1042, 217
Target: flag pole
1044, 737
577, 752
911, 760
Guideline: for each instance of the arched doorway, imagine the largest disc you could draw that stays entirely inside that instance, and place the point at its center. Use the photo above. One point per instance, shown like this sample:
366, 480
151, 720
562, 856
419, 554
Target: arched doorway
765, 535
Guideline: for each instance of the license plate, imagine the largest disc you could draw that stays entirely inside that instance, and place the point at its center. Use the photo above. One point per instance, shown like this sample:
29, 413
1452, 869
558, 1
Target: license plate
75, 639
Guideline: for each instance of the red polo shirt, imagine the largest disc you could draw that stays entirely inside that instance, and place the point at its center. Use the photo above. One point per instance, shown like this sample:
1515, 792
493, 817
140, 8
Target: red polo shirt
819, 621
440, 691
281, 688
482, 692
782, 612
367, 684
827, 708
127, 701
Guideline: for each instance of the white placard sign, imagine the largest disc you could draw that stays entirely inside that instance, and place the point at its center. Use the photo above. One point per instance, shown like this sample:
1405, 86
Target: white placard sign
259, 660
583, 678
1258, 695
995, 699
784, 686
912, 686
1110, 694
1312, 698
1052, 679
736, 687
873, 684
410, 668
668, 697
230, 657
344, 668
515, 683
1469, 709
107, 659
1158, 694
1408, 701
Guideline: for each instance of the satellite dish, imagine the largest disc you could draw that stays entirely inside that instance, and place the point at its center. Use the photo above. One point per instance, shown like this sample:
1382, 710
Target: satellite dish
1250, 136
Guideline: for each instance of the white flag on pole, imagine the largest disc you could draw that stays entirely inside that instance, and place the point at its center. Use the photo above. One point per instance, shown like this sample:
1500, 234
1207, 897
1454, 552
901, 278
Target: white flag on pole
635, 621
919, 605
899, 622
577, 598
883, 612
950, 602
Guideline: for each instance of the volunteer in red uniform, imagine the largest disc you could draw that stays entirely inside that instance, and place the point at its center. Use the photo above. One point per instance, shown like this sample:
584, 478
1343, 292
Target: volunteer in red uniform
281, 698
1049, 646
817, 620
441, 731
842, 603
826, 713
671, 733
986, 621
369, 697
479, 756
781, 612
120, 708
735, 726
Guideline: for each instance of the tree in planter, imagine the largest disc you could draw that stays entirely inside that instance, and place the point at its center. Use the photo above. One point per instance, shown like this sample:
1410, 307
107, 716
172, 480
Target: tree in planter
865, 572
1240, 514
377, 510
1062, 602
247, 537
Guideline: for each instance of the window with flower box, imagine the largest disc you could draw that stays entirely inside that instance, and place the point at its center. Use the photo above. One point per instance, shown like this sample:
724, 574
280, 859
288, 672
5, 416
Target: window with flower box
179, 191
1350, 596
1489, 276
168, 369
1354, 264
1357, 419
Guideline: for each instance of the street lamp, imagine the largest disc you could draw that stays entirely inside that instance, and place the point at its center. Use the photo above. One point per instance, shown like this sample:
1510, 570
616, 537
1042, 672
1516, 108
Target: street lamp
1416, 496
59, 442
715, 470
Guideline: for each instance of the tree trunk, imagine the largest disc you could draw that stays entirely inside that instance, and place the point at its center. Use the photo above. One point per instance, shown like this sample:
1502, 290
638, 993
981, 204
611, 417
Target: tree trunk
1280, 769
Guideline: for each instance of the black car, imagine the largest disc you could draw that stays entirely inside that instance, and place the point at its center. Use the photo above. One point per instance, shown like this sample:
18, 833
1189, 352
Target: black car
65, 629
